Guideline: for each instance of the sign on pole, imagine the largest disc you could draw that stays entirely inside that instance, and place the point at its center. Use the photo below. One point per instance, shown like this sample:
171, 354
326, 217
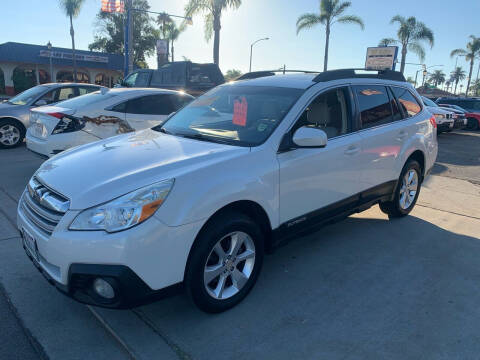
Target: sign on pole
381, 58
113, 6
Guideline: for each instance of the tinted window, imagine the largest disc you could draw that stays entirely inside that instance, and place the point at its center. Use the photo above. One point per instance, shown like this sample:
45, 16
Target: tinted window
199, 76
407, 101
374, 105
122, 107
236, 114
142, 79
86, 90
49, 97
329, 112
86, 100
154, 105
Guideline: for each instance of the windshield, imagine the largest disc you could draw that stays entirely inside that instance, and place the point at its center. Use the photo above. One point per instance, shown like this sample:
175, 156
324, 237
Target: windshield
28, 96
85, 100
233, 114
428, 102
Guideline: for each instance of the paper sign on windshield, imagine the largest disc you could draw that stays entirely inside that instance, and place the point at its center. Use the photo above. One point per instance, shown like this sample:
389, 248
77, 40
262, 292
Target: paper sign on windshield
240, 108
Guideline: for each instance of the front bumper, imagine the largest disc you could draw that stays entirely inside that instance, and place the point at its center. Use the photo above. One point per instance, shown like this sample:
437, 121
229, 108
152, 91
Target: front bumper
445, 126
142, 263
460, 123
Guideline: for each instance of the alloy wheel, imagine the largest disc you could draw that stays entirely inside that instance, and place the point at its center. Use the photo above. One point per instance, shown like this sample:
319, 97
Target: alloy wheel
409, 189
229, 265
9, 135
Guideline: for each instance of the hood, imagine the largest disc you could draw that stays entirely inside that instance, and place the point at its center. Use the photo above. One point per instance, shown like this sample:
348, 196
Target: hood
5, 107
437, 110
98, 172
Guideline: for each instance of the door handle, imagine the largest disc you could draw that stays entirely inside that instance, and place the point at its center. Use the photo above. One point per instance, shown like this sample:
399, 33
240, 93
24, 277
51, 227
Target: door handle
402, 135
352, 150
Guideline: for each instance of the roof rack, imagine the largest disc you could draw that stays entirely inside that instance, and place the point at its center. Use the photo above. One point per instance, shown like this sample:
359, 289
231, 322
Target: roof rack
351, 73
264, 73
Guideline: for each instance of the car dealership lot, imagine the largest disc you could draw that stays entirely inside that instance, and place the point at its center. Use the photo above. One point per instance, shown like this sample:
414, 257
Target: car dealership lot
363, 288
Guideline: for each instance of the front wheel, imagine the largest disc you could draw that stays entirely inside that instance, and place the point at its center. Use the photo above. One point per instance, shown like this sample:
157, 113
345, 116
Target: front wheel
406, 193
225, 262
11, 134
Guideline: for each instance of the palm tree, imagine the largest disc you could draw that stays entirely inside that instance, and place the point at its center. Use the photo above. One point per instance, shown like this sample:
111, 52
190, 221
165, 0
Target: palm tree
457, 75
438, 77
331, 12
476, 87
411, 35
213, 13
164, 20
471, 52
173, 33
71, 8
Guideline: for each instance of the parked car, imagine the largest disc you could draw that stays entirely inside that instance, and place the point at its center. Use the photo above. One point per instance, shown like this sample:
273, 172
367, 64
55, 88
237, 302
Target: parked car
443, 117
99, 115
459, 115
15, 112
192, 78
198, 200
471, 106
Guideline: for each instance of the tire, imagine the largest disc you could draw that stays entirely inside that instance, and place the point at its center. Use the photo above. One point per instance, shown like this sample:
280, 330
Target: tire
238, 276
402, 204
11, 134
472, 124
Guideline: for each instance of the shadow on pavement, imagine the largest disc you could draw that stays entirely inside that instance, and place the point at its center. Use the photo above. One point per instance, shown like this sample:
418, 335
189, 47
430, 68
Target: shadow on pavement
362, 288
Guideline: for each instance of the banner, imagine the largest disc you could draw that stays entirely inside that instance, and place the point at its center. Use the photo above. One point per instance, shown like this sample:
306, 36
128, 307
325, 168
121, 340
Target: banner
68, 56
113, 6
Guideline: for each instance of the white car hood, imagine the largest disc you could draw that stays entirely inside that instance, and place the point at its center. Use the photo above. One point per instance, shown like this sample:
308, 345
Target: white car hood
92, 174
438, 110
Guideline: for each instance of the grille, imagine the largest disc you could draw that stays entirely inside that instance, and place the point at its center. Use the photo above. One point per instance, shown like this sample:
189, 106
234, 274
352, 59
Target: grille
42, 206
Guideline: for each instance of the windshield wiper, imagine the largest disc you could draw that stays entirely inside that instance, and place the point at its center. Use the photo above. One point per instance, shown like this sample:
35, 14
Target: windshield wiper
202, 137
163, 130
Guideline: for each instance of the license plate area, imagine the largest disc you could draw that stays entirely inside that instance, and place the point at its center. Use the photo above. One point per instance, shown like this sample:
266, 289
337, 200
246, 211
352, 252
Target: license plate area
30, 245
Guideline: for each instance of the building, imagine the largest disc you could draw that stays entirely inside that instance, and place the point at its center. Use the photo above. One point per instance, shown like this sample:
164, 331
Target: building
24, 65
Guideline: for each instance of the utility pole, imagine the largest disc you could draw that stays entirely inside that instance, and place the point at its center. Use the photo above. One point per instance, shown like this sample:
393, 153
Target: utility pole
130, 36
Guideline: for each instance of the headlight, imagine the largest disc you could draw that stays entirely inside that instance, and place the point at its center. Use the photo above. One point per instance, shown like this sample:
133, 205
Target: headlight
126, 211
33, 117
439, 116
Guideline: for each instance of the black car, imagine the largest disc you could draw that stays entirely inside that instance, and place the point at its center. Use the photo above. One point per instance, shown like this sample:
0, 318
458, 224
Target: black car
471, 105
192, 78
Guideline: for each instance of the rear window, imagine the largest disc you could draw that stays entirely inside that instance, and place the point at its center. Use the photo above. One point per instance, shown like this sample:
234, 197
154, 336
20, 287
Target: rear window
86, 100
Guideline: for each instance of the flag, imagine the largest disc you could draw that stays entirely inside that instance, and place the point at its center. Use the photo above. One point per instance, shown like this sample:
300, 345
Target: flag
112, 6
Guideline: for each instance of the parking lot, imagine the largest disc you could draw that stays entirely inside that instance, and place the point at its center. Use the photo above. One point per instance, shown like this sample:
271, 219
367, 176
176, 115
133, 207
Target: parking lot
364, 288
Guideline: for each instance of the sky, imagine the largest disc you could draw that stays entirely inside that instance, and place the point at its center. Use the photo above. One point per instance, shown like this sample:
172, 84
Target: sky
40, 21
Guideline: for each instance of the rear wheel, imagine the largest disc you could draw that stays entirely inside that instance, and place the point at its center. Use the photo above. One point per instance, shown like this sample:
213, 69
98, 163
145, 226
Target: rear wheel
406, 193
11, 134
472, 124
225, 262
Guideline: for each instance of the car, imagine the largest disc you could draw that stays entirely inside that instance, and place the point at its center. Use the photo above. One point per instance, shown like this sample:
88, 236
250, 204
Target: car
443, 117
197, 201
99, 115
15, 112
193, 78
471, 106
459, 115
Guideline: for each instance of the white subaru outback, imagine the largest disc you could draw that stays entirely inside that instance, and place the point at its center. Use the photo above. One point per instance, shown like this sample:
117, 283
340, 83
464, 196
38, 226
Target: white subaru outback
199, 200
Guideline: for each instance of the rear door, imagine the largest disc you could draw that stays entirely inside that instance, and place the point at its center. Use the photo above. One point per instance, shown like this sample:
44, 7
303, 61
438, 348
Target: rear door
383, 134
151, 110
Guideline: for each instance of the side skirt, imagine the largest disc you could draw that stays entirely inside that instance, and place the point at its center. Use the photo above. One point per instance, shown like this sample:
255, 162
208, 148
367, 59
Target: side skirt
332, 213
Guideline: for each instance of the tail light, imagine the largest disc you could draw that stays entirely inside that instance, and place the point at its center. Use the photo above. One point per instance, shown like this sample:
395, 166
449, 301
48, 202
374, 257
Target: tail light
433, 122
67, 123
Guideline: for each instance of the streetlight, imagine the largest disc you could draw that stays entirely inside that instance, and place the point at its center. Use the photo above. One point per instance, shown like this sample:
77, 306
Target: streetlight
425, 72
251, 50
49, 47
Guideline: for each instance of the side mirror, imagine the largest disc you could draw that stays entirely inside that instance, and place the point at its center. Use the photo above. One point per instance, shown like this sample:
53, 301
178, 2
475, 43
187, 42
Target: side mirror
41, 102
310, 137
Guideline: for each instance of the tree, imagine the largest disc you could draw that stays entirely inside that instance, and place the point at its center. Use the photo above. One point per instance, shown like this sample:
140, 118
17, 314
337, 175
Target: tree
331, 12
172, 34
411, 80
71, 8
212, 9
438, 77
471, 52
411, 36
475, 88
232, 74
110, 36
457, 75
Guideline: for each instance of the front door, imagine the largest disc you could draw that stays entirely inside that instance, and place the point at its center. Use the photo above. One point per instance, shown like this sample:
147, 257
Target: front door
313, 178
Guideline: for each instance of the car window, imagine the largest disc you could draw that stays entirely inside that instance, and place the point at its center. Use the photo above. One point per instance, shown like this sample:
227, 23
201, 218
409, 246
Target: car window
65, 93
142, 79
49, 97
130, 80
122, 107
82, 90
396, 113
428, 102
27, 96
88, 99
330, 112
152, 105
235, 114
374, 105
407, 101
198, 76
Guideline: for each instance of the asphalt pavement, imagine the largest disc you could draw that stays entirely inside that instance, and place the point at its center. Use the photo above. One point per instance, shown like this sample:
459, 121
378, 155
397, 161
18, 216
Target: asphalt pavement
364, 288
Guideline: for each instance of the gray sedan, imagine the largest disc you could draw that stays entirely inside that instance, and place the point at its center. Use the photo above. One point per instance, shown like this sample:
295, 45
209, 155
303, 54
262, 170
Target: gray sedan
15, 113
